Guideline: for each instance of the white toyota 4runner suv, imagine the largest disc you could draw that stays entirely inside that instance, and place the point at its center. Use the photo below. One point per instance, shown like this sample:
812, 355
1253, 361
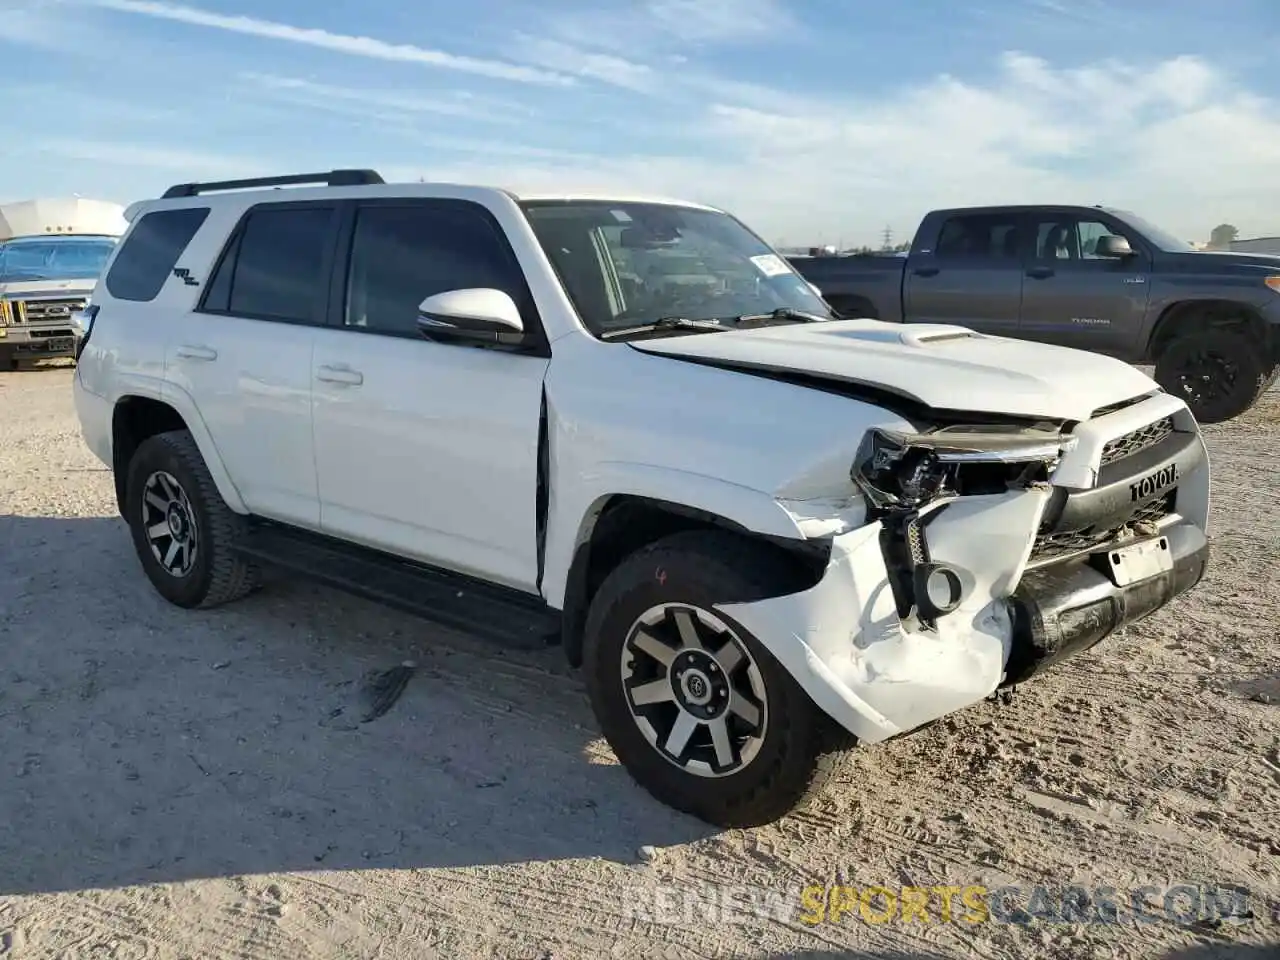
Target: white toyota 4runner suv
626, 425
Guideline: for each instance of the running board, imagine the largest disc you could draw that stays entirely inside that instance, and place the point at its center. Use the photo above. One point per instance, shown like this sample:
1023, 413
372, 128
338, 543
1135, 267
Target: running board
452, 600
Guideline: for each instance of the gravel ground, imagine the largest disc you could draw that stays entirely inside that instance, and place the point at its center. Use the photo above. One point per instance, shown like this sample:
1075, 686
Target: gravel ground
181, 784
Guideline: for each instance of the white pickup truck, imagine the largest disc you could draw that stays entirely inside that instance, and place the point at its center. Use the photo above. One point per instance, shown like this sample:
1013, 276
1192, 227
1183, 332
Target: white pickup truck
626, 425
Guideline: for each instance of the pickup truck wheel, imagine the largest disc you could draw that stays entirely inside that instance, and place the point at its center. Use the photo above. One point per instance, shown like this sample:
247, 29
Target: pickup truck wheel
1218, 373
694, 707
183, 532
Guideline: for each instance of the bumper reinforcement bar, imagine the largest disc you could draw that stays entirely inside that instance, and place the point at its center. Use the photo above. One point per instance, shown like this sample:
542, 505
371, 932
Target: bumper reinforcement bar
1065, 609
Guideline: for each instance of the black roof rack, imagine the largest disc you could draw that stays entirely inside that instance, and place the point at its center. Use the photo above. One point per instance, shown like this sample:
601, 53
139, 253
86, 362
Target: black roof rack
334, 178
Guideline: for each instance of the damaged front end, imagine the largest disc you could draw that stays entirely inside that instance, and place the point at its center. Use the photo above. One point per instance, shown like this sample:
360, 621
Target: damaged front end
937, 599
908, 479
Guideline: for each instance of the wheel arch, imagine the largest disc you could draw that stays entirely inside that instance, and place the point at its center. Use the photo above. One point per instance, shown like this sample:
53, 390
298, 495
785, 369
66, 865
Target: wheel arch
1212, 313
139, 415
620, 524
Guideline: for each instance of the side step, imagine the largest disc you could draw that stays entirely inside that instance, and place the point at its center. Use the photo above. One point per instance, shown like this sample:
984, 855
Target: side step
452, 600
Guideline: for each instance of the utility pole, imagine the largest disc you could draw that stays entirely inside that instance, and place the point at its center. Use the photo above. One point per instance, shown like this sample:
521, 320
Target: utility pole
888, 238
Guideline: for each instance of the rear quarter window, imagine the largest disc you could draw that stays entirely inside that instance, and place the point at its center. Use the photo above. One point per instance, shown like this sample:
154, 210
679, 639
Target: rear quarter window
148, 254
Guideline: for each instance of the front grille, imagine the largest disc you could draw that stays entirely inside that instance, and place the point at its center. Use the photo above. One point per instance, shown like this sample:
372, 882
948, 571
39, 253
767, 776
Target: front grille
1056, 546
39, 311
1136, 441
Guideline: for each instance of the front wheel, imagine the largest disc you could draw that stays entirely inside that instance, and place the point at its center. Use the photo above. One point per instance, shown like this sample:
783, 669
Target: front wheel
695, 708
1219, 373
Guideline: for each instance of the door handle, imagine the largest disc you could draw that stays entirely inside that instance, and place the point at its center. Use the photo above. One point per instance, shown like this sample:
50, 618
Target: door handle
925, 271
1040, 273
346, 375
186, 352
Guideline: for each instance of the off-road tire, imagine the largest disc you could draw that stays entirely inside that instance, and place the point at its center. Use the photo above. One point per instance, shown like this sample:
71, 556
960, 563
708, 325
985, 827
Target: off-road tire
1256, 371
802, 748
218, 575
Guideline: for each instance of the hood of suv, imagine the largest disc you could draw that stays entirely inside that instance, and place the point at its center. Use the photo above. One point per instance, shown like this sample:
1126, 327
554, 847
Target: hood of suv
940, 366
48, 289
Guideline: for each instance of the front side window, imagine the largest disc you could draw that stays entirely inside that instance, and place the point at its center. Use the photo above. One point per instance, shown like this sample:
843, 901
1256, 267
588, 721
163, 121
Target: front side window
1070, 238
400, 255
625, 265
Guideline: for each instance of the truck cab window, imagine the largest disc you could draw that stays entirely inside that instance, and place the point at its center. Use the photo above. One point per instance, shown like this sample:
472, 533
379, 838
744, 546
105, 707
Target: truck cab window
1070, 238
978, 237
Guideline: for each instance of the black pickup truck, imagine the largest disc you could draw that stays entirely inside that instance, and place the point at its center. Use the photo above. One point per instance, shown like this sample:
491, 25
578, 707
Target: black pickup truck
1093, 278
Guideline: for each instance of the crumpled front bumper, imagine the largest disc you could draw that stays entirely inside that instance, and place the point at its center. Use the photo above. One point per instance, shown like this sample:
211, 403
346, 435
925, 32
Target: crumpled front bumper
1063, 610
879, 675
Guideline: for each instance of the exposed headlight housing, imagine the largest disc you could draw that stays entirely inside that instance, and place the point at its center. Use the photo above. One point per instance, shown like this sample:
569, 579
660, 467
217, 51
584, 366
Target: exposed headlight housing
905, 471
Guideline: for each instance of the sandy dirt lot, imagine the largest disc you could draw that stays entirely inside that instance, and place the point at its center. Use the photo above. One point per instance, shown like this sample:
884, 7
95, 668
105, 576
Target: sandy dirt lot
178, 784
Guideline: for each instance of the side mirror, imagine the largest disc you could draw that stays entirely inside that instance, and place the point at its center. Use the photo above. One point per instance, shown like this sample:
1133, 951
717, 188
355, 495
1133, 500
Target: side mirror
474, 315
1113, 248
817, 290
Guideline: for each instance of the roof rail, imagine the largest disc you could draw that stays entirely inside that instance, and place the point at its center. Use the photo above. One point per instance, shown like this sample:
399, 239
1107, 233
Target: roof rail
334, 178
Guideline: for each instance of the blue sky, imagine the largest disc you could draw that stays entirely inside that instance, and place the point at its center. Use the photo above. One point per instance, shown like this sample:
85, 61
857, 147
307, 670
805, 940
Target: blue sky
815, 121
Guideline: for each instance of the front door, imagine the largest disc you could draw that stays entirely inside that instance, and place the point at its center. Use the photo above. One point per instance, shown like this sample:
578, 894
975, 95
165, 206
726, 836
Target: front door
1074, 298
425, 449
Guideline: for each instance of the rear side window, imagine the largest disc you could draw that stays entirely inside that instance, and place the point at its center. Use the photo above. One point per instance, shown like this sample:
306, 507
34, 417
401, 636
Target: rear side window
148, 254
274, 267
979, 237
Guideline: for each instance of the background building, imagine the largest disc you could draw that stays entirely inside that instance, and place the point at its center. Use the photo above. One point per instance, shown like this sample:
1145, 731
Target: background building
1257, 245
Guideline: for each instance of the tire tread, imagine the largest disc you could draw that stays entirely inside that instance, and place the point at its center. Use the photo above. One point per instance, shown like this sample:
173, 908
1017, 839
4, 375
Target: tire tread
231, 577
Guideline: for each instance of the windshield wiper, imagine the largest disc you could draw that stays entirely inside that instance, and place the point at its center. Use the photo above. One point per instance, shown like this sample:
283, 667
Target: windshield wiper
664, 323
782, 313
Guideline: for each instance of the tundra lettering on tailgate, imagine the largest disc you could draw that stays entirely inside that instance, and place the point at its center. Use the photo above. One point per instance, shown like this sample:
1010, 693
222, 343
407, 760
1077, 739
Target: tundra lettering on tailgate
1149, 485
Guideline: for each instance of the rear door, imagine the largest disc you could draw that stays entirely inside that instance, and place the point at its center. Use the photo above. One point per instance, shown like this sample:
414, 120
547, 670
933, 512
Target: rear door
244, 354
972, 274
1074, 298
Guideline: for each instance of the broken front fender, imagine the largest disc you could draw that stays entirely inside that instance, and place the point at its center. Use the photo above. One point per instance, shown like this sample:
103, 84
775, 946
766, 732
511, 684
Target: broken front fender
873, 665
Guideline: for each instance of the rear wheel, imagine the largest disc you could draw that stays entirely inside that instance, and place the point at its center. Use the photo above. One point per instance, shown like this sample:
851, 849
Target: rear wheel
695, 708
184, 534
1218, 373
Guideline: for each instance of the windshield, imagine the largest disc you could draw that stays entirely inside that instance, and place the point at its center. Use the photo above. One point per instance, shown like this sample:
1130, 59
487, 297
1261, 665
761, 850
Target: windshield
54, 258
629, 264
1163, 239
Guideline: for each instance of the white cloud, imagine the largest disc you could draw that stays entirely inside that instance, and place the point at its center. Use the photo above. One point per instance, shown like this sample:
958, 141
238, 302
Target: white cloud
186, 164
381, 105
1177, 142
593, 65
640, 31
721, 21
336, 42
